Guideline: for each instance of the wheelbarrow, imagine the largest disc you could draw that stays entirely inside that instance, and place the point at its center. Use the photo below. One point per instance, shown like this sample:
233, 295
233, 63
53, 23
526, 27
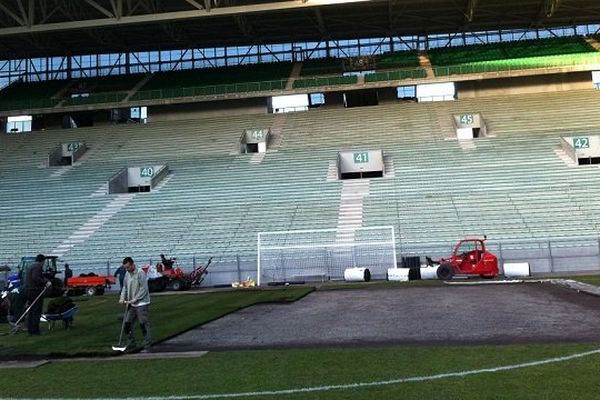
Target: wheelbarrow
66, 317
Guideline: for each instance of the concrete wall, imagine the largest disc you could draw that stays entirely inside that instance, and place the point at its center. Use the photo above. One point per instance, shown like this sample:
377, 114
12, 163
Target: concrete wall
176, 112
528, 84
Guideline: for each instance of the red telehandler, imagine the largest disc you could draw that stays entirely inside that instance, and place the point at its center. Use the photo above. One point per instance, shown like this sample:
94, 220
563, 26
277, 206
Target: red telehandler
470, 257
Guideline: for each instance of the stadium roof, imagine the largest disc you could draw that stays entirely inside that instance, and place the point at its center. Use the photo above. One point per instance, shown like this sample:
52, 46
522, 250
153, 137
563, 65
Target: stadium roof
33, 28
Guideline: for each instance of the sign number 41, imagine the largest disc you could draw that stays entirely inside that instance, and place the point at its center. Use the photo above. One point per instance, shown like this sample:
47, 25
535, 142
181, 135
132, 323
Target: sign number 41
361, 158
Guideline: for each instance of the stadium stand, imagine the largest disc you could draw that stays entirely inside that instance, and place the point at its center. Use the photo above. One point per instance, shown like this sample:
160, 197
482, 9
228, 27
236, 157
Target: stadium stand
399, 59
388, 61
27, 95
105, 89
526, 54
512, 186
322, 66
243, 78
561, 52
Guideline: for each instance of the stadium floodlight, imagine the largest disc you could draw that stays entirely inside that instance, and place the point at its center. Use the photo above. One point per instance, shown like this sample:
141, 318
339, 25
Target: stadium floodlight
324, 254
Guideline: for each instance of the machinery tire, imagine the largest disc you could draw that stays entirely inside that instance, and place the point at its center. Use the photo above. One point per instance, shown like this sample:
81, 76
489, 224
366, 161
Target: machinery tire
99, 291
445, 271
90, 290
177, 285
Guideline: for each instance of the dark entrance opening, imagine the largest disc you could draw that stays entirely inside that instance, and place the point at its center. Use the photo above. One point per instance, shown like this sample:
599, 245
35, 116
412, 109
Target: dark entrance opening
139, 189
361, 98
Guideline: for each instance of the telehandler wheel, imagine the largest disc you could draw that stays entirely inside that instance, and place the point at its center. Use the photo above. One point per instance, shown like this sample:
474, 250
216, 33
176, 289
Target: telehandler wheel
445, 271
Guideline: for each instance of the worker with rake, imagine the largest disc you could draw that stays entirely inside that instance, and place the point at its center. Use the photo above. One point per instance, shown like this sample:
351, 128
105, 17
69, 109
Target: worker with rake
136, 297
36, 286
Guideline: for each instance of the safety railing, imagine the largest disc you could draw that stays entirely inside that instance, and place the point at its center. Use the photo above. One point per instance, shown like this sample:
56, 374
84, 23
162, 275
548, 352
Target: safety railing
209, 90
398, 75
325, 81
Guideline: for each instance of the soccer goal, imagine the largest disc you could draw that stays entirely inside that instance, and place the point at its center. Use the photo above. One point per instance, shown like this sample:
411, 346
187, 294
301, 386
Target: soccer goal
324, 254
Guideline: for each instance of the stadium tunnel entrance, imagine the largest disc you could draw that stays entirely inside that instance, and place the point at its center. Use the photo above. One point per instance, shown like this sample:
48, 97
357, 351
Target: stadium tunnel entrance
137, 179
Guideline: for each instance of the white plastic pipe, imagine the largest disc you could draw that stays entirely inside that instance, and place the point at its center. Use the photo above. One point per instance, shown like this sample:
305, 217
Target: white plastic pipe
357, 275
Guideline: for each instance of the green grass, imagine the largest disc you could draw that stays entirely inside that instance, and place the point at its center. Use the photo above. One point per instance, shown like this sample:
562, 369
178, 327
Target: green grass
222, 372
97, 327
247, 371
590, 279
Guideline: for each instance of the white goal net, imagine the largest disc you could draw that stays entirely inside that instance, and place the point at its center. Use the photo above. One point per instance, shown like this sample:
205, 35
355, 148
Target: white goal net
319, 255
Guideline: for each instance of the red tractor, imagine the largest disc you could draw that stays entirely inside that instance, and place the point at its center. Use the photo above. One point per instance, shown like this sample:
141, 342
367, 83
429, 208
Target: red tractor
470, 257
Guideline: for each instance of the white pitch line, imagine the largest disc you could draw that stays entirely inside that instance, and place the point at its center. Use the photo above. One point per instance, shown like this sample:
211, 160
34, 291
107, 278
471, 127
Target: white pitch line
358, 385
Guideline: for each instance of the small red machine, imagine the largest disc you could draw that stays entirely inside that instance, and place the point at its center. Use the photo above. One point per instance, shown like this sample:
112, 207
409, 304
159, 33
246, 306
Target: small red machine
175, 278
179, 280
470, 257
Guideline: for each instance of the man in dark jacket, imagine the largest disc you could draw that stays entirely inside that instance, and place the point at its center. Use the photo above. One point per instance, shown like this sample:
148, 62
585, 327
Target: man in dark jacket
120, 275
35, 285
68, 274
167, 264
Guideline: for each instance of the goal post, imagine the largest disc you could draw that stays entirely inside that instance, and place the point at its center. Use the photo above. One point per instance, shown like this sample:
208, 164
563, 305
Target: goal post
324, 254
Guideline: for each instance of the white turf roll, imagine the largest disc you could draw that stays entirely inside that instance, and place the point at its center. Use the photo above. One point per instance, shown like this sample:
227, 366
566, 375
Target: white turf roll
516, 269
398, 274
428, 272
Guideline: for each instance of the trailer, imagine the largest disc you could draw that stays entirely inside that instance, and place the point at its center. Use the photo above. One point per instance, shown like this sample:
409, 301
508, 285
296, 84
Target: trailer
89, 284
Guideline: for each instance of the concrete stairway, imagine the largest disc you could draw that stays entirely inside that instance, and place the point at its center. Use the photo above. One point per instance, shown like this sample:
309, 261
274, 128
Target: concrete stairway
350, 215
93, 224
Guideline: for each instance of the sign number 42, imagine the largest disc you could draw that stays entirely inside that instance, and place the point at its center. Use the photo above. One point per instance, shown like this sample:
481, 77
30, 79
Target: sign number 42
581, 143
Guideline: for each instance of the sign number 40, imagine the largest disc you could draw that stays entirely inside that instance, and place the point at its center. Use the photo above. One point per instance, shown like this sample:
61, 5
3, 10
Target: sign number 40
146, 172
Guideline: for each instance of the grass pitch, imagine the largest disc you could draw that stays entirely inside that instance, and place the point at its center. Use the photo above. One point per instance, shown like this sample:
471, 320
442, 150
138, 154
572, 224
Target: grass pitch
230, 374
96, 326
